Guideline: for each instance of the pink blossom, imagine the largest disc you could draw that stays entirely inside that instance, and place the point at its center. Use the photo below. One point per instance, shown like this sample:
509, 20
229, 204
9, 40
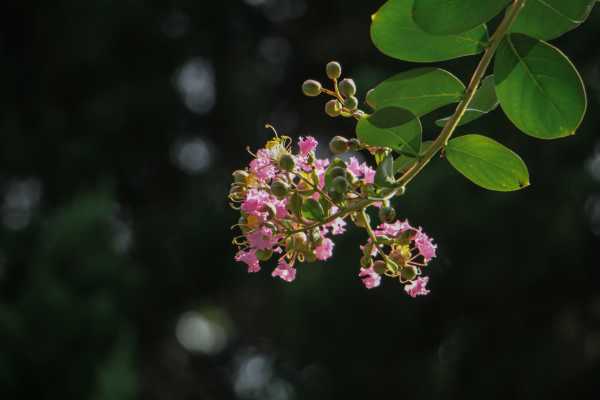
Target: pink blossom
337, 226
425, 245
249, 258
262, 166
393, 229
284, 271
353, 166
369, 173
417, 287
373, 248
325, 250
370, 278
307, 144
255, 200
261, 239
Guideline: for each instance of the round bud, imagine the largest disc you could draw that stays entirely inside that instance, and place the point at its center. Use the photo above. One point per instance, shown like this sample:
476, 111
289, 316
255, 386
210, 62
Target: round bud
351, 103
337, 171
340, 184
334, 70
337, 197
299, 241
280, 189
338, 145
315, 236
387, 215
311, 88
240, 176
287, 162
354, 144
347, 87
369, 98
333, 108
408, 273
379, 266
264, 255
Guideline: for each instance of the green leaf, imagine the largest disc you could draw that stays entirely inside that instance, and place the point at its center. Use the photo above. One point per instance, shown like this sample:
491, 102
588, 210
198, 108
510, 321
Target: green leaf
402, 163
485, 101
487, 163
442, 17
313, 210
384, 176
395, 34
548, 19
391, 127
420, 91
539, 89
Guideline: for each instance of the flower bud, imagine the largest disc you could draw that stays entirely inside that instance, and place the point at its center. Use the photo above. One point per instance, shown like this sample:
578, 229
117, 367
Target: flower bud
240, 176
355, 144
337, 171
408, 273
338, 145
351, 103
387, 215
340, 184
347, 87
264, 255
333, 108
311, 88
334, 70
315, 236
379, 266
299, 241
280, 189
287, 162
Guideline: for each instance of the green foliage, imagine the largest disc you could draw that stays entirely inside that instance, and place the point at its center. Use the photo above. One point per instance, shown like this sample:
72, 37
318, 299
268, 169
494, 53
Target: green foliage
395, 33
548, 19
384, 176
313, 210
487, 163
419, 90
447, 16
391, 127
485, 101
539, 89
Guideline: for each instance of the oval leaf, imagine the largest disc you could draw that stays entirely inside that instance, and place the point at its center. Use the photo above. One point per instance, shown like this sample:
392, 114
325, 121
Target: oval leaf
420, 91
391, 127
313, 210
548, 19
395, 34
487, 163
452, 16
384, 176
539, 89
485, 101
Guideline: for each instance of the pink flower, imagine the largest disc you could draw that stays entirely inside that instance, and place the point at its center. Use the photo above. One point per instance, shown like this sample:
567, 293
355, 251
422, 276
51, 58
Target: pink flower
284, 271
261, 239
337, 226
373, 248
249, 258
262, 166
370, 278
393, 229
353, 166
417, 287
324, 250
255, 200
307, 144
369, 173
425, 245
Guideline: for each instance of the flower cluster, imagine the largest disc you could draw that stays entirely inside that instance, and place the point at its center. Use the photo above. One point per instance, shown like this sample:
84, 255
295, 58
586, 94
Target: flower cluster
292, 204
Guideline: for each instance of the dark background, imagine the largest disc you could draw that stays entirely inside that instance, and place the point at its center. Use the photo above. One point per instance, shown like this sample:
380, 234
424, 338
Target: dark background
120, 123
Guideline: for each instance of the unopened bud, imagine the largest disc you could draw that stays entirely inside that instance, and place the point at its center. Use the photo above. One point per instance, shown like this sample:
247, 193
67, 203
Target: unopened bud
379, 266
340, 184
311, 88
387, 215
334, 70
280, 189
347, 87
299, 241
355, 144
338, 145
337, 197
337, 171
287, 162
333, 108
351, 103
408, 273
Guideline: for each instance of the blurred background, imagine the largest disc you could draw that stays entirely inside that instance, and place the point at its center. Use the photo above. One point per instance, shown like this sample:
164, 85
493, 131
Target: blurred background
120, 124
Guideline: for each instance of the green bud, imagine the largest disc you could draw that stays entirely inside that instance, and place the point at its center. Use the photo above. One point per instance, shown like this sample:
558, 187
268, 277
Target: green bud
300, 241
264, 255
240, 176
311, 88
369, 98
379, 266
336, 196
337, 171
347, 87
351, 103
280, 189
408, 273
333, 108
315, 236
286, 162
338, 145
355, 144
295, 204
340, 184
387, 215
334, 70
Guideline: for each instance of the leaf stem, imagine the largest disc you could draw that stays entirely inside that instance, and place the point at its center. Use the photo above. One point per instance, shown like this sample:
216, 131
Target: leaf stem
442, 140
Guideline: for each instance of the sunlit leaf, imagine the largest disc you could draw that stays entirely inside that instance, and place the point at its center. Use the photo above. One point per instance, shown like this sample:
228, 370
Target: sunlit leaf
391, 127
485, 101
452, 16
384, 176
